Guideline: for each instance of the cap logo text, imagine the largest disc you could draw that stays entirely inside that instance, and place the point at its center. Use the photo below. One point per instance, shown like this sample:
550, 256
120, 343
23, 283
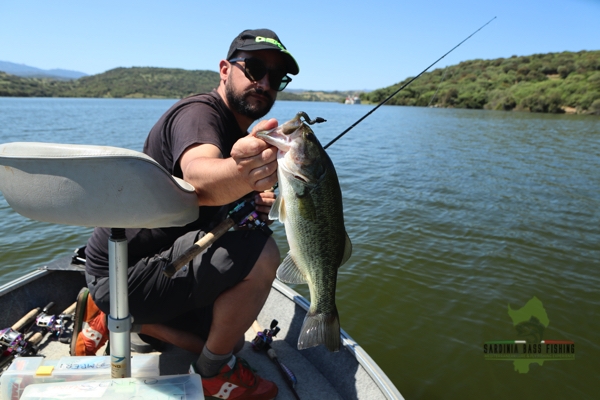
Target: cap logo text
269, 40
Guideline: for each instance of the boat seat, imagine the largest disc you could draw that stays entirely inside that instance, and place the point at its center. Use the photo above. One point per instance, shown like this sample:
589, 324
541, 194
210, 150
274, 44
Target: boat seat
93, 186
97, 186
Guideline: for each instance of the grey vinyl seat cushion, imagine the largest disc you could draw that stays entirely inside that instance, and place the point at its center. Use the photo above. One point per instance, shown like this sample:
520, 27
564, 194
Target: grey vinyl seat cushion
93, 186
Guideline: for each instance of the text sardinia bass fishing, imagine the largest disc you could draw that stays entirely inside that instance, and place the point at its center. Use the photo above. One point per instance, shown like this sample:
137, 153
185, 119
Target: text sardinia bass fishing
520, 349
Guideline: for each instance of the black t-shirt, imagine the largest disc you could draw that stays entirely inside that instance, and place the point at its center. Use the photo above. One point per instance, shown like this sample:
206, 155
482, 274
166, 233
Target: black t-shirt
198, 119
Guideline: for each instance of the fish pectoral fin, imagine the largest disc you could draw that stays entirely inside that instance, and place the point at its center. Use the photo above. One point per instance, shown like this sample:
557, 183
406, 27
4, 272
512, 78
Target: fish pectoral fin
289, 272
278, 210
347, 249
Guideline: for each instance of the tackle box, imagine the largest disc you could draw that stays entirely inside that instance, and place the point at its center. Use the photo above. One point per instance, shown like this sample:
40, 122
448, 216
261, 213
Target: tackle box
184, 387
25, 371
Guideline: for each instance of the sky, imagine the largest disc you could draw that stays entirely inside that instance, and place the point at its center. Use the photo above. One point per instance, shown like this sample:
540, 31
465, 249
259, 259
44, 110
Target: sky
339, 45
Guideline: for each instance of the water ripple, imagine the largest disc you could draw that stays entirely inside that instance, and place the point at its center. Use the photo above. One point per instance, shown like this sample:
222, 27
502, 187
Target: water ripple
453, 215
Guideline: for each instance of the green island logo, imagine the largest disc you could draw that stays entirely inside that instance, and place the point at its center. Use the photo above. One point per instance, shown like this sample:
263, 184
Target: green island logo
530, 322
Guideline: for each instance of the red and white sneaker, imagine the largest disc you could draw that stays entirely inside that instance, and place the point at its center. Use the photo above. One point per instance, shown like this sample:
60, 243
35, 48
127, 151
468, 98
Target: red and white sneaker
236, 380
90, 330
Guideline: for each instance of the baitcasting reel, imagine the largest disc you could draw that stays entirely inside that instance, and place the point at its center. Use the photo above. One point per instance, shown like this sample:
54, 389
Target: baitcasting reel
263, 339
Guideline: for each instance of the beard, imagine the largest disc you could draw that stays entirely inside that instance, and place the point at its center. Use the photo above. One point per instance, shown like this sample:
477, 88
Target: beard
240, 104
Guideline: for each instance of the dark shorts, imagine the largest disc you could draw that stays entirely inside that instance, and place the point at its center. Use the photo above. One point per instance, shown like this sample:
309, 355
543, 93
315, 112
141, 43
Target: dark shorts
185, 300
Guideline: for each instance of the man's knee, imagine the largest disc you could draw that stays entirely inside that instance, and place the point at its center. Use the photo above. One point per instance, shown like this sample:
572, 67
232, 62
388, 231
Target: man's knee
269, 260
273, 255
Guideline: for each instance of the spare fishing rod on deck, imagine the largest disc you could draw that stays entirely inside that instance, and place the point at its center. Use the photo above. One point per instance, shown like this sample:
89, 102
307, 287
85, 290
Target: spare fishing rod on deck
246, 207
262, 341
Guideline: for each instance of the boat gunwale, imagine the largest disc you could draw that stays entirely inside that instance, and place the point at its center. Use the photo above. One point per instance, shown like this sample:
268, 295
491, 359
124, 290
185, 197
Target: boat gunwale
23, 280
363, 358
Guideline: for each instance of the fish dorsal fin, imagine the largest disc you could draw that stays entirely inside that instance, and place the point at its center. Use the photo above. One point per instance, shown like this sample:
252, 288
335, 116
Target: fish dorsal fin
289, 272
278, 210
347, 250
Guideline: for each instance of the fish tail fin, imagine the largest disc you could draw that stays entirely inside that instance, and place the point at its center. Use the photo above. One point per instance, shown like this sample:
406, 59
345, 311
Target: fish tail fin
320, 329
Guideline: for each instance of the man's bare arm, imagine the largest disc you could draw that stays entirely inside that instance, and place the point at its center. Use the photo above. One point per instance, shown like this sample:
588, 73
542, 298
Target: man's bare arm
251, 167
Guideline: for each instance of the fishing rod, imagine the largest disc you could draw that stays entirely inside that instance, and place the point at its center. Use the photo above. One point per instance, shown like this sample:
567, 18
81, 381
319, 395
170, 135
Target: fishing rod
403, 86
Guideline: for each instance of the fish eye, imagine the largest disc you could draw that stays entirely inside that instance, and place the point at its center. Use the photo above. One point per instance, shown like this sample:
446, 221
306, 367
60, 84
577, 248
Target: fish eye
311, 136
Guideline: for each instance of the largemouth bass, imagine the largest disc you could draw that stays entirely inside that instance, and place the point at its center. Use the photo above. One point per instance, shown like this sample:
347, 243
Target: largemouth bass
310, 206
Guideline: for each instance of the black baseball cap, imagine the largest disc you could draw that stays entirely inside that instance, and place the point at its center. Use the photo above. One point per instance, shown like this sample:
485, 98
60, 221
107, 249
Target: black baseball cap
263, 39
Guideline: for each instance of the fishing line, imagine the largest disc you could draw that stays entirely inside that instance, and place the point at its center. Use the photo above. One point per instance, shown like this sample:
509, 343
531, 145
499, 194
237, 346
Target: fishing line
403, 86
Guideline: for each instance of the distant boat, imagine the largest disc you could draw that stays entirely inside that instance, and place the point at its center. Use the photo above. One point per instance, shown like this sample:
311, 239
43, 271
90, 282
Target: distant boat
352, 100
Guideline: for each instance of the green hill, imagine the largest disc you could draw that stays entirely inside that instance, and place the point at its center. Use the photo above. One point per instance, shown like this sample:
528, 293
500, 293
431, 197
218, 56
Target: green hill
135, 82
14, 86
553, 83
144, 82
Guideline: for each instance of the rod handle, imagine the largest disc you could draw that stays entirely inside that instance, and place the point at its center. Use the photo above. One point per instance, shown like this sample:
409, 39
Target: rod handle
29, 317
70, 310
206, 241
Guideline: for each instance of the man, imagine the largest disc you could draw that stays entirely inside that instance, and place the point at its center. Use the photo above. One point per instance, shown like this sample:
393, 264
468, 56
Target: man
207, 306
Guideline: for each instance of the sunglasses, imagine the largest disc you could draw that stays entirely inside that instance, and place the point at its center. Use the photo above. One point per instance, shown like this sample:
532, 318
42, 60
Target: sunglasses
255, 70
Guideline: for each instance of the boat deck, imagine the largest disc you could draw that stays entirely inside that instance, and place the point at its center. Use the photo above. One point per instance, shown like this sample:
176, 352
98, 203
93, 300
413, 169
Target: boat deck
347, 374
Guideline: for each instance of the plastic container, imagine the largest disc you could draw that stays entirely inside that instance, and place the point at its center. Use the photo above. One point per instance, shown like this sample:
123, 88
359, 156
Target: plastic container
22, 372
25, 371
188, 387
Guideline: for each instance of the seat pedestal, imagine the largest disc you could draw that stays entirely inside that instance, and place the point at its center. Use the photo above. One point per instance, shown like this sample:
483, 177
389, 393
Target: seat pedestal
119, 320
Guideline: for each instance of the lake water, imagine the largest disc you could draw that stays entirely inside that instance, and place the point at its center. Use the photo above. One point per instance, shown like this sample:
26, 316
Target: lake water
455, 216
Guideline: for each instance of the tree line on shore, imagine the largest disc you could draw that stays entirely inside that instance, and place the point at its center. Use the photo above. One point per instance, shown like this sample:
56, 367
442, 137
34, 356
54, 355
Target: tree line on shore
550, 83
142, 82
136, 82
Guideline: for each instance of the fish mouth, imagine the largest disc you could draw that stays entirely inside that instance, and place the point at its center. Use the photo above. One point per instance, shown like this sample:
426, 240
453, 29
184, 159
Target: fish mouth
276, 138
